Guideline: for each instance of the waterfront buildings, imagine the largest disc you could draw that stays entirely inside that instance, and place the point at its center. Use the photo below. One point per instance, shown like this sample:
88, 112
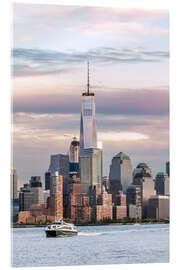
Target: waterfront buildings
91, 169
60, 163
88, 137
31, 194
39, 209
162, 184
120, 175
158, 207
75, 188
77, 202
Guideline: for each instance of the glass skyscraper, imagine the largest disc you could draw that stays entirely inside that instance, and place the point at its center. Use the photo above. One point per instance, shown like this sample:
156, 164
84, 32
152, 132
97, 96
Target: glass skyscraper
90, 155
88, 138
91, 169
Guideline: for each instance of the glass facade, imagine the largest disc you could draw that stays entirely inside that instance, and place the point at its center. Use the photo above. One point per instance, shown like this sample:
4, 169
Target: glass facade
91, 169
88, 138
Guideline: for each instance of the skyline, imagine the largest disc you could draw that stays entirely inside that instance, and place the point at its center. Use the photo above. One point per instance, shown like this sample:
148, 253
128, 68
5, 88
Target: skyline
47, 71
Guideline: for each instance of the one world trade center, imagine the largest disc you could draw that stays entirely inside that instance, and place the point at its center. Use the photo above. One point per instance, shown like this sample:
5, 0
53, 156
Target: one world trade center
88, 137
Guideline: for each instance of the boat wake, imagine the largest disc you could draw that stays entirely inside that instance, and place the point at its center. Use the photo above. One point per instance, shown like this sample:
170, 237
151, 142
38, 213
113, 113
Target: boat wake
118, 231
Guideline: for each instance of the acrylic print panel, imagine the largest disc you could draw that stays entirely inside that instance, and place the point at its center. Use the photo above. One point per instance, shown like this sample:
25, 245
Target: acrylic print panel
90, 136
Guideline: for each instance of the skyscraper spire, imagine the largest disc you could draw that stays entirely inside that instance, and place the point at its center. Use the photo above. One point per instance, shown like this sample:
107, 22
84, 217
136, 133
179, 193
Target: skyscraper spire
88, 79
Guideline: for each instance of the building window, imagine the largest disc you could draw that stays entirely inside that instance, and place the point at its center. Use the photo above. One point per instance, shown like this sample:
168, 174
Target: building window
87, 112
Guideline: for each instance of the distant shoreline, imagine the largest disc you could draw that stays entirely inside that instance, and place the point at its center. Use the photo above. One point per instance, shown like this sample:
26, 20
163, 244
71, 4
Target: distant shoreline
89, 224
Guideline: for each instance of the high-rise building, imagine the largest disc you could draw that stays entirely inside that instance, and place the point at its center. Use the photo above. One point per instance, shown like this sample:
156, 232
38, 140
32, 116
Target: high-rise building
91, 169
14, 182
31, 194
120, 175
134, 201
88, 137
133, 195
120, 208
14, 194
168, 168
74, 151
103, 208
162, 184
56, 196
74, 155
158, 207
60, 163
142, 167
47, 180
46, 194
144, 179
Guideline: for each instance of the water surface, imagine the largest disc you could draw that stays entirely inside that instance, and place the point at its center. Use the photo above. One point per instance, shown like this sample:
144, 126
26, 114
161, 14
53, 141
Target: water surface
119, 244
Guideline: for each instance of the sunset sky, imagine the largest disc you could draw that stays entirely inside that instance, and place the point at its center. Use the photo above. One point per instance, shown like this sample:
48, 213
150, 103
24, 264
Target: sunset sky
128, 51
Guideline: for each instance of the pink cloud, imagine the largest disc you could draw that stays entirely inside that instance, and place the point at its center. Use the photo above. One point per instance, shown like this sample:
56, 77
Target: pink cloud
122, 28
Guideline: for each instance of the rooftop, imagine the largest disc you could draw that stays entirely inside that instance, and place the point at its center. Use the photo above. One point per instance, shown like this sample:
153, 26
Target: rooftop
121, 155
161, 174
142, 165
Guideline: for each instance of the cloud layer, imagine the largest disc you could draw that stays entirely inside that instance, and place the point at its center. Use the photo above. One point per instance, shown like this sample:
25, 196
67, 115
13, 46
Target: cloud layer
28, 62
128, 102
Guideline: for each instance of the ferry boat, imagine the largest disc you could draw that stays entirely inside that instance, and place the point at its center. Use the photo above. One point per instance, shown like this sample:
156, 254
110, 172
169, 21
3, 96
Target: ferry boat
60, 228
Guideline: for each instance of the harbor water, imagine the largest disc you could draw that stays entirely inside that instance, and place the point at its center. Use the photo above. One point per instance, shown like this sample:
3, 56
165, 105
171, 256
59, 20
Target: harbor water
112, 244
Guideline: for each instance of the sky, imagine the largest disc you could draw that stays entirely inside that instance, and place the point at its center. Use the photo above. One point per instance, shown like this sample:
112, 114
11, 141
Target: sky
128, 51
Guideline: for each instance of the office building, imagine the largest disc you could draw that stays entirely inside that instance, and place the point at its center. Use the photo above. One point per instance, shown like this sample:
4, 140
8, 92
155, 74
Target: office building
103, 209
133, 195
74, 151
56, 196
168, 168
77, 203
145, 180
134, 201
31, 194
142, 167
91, 169
14, 193
134, 211
120, 175
14, 209
46, 194
158, 207
60, 163
74, 156
162, 184
88, 137
47, 180
120, 209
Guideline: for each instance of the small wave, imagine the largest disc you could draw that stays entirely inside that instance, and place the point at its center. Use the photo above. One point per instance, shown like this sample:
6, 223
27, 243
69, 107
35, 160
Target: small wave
89, 234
